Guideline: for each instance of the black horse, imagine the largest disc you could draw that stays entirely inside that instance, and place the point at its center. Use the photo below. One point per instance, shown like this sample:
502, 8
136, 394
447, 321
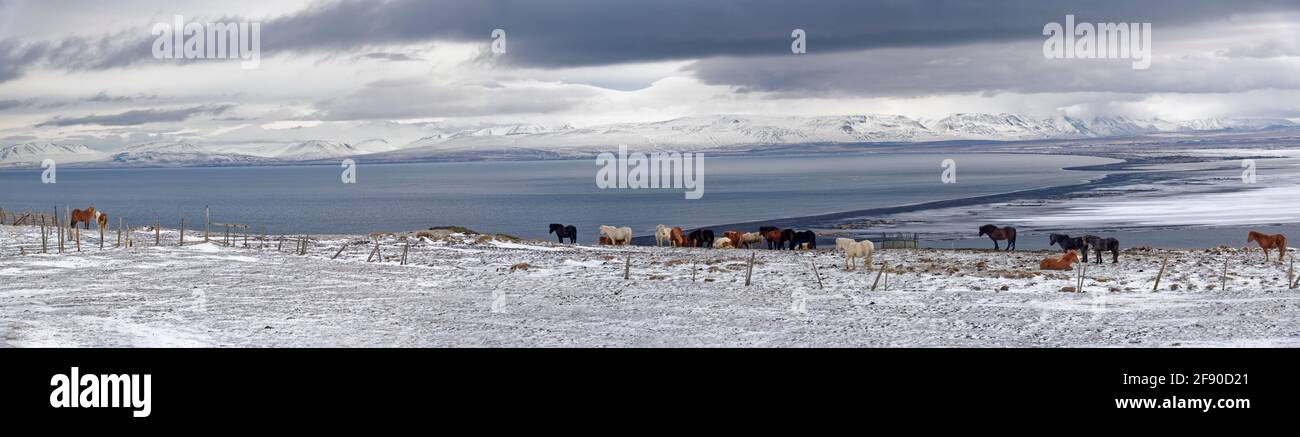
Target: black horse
1103, 245
1008, 233
562, 232
1068, 243
700, 238
802, 237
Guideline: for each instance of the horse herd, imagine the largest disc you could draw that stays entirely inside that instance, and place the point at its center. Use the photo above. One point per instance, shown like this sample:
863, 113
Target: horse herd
789, 239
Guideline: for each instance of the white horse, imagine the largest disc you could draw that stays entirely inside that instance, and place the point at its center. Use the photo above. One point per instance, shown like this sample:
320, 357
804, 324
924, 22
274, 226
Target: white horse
749, 239
855, 249
663, 234
618, 236
723, 242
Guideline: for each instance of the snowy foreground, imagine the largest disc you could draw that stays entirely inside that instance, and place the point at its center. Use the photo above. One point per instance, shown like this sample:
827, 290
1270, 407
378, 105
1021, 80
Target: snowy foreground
466, 290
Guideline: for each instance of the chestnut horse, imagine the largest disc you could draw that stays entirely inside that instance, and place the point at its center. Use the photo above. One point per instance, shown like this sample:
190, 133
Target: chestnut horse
84, 217
676, 237
733, 236
1267, 242
1062, 263
1008, 233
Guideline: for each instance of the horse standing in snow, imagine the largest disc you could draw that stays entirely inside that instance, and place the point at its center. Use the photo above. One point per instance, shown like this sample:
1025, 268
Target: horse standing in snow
1008, 233
749, 239
804, 240
676, 237
619, 236
1267, 242
562, 232
700, 238
855, 249
663, 234
1099, 245
1067, 243
83, 217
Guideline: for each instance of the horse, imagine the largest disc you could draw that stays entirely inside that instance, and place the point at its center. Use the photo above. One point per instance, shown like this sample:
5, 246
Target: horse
1100, 245
1067, 243
855, 249
701, 238
663, 235
1062, 263
802, 238
84, 217
749, 239
619, 236
1267, 242
773, 238
733, 236
675, 236
101, 219
724, 243
562, 232
1008, 233
605, 241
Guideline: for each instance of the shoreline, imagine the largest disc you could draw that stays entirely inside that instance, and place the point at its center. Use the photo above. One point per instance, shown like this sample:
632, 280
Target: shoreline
1116, 174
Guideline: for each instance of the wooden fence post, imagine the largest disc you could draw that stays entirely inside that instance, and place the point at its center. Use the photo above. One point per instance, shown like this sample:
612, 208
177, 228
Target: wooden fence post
883, 266
245, 236
119, 232
374, 252
206, 220
101, 235
345, 246
1158, 275
157, 232
1290, 273
817, 274
182, 243
627, 267
1224, 277
749, 272
59, 225
692, 269
76, 231
44, 238
405, 248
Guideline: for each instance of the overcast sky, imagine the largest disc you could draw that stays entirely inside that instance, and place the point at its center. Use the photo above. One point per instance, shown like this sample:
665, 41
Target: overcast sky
402, 69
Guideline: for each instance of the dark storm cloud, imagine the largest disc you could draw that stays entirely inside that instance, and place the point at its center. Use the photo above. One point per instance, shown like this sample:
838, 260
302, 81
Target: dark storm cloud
599, 32
139, 116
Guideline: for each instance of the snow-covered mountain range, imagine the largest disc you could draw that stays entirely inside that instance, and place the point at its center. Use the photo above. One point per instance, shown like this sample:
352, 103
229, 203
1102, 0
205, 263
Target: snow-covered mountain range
35, 152
731, 133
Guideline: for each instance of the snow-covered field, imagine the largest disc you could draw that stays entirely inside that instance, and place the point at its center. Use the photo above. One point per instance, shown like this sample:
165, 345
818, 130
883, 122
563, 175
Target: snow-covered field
465, 290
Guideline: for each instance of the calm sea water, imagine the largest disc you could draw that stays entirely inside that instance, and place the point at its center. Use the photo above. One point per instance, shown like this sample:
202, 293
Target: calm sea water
521, 198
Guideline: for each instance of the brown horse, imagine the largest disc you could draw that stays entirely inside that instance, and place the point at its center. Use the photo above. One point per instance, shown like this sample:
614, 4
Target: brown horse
1062, 263
1267, 242
675, 235
1008, 233
733, 236
775, 239
101, 219
84, 217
